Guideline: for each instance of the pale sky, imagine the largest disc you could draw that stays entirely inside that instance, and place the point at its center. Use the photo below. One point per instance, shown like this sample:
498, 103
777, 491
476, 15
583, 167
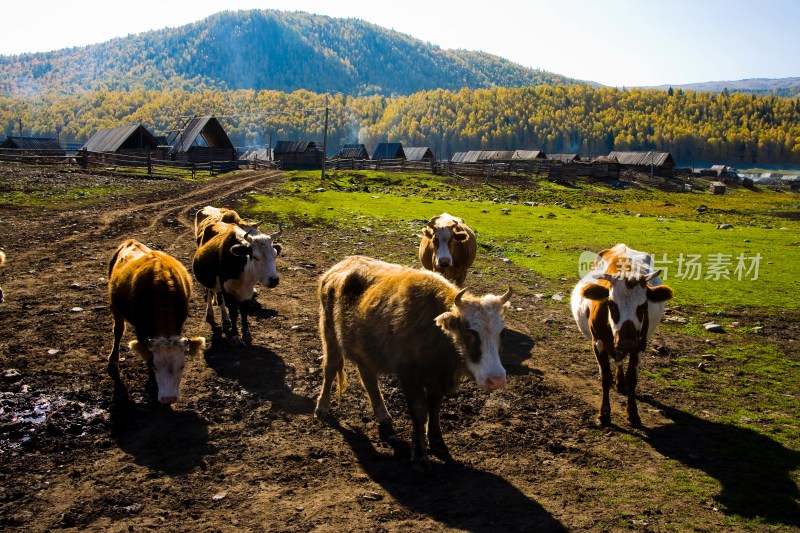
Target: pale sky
617, 43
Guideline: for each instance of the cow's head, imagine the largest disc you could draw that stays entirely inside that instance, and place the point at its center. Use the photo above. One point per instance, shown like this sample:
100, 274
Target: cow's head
476, 327
444, 236
168, 356
627, 296
262, 251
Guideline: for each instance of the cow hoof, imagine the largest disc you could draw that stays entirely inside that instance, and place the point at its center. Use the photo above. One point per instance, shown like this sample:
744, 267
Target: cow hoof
440, 450
235, 340
423, 465
322, 412
386, 433
635, 421
604, 420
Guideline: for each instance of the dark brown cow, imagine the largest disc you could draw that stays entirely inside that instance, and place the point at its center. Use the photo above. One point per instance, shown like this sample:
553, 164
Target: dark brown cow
448, 246
151, 290
229, 261
618, 306
414, 324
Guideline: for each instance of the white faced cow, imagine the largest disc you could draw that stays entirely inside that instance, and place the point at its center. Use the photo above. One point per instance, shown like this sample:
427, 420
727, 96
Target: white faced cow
618, 306
151, 290
448, 246
229, 261
389, 319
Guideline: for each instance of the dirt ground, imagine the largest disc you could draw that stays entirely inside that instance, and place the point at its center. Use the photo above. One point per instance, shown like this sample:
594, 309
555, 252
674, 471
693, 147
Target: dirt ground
242, 451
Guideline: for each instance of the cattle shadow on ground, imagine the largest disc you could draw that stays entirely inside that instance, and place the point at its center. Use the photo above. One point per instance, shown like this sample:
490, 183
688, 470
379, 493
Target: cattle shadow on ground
516, 349
454, 494
260, 371
755, 471
166, 441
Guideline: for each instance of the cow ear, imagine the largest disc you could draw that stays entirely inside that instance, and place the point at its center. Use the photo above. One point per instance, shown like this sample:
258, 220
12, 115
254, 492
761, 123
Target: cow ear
461, 236
195, 345
242, 250
429, 232
659, 293
447, 321
278, 248
140, 348
593, 291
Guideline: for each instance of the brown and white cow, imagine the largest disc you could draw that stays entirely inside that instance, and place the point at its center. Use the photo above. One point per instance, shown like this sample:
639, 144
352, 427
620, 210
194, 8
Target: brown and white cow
618, 306
448, 246
415, 324
151, 290
229, 261
209, 215
2, 262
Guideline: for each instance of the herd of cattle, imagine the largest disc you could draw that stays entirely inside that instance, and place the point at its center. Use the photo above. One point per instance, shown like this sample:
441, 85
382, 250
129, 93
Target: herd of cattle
419, 325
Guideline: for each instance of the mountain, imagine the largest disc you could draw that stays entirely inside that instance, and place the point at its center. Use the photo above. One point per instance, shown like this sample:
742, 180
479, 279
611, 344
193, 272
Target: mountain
788, 87
266, 49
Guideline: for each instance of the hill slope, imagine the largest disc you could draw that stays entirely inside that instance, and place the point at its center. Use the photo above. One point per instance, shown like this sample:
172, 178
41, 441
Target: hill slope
788, 87
266, 50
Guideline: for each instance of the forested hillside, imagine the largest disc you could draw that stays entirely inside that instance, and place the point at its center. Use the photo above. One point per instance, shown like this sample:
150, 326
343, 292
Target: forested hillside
266, 49
700, 127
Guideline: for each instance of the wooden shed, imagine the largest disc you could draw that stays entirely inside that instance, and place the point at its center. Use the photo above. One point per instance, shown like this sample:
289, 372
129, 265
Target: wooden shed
661, 163
33, 145
128, 140
353, 151
389, 151
465, 157
200, 139
717, 187
419, 153
298, 155
564, 158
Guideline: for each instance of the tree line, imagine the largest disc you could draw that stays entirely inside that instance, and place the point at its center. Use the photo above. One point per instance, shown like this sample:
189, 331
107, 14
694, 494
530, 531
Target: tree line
731, 128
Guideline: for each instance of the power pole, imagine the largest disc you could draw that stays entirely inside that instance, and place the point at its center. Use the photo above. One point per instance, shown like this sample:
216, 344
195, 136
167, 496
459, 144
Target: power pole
325, 140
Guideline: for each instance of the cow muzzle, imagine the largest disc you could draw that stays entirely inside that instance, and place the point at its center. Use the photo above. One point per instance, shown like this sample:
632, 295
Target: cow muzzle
272, 282
168, 400
495, 382
444, 262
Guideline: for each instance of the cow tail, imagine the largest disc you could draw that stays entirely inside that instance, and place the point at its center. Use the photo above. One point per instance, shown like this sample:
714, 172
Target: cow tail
341, 383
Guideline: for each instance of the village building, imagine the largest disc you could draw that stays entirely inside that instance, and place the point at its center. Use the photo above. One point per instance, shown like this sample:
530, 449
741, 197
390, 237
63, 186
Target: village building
125, 140
200, 139
659, 163
34, 145
353, 151
529, 154
389, 151
419, 153
298, 155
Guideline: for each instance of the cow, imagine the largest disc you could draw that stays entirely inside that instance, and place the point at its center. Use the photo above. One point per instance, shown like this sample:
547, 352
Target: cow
415, 324
448, 246
2, 262
618, 306
229, 261
150, 290
210, 215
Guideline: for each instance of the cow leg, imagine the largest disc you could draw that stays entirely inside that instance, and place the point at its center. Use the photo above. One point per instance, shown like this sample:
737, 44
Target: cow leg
210, 309
418, 409
223, 311
332, 364
369, 378
604, 416
620, 375
244, 308
631, 378
113, 357
233, 309
435, 439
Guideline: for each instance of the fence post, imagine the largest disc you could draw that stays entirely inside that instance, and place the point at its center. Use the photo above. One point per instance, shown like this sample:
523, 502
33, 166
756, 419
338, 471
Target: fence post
149, 163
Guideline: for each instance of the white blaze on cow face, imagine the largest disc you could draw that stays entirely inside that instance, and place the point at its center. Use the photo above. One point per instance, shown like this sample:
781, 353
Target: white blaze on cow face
262, 261
442, 230
169, 360
477, 327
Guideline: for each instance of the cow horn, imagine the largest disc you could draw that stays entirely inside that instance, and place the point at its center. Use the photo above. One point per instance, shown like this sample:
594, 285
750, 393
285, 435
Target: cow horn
506, 296
457, 300
652, 275
277, 235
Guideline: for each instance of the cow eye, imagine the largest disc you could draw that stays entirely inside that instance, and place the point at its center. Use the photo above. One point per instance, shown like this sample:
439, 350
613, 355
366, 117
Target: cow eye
612, 306
473, 336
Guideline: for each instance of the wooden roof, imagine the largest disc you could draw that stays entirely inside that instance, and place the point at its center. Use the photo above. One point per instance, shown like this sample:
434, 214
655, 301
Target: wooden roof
643, 158
389, 151
418, 153
294, 147
353, 151
260, 154
112, 139
565, 158
202, 132
31, 143
529, 154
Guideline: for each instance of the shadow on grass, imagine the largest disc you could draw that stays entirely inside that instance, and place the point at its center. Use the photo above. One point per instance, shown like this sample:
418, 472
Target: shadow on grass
755, 471
456, 495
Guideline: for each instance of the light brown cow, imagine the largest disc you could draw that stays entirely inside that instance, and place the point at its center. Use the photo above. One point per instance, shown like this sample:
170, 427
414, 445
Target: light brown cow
150, 290
209, 215
448, 246
618, 306
415, 324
